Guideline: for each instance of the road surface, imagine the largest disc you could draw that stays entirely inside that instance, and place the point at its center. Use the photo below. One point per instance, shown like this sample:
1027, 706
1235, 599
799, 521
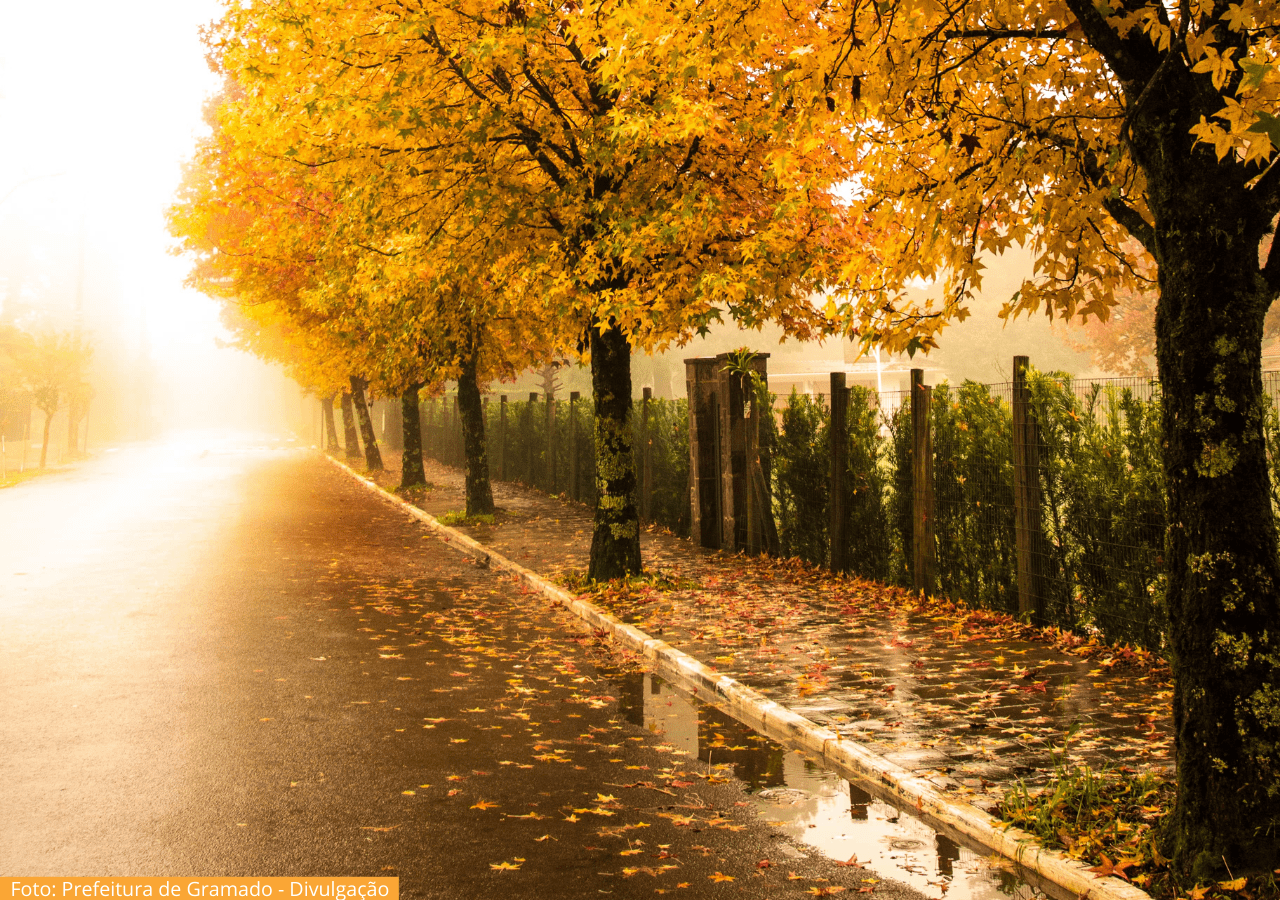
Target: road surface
226, 658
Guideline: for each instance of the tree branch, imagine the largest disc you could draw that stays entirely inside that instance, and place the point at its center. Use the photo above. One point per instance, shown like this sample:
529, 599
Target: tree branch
1133, 221
1002, 33
1117, 51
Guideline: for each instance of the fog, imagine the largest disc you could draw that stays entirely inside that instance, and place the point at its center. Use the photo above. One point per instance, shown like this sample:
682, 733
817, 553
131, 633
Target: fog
97, 114
980, 349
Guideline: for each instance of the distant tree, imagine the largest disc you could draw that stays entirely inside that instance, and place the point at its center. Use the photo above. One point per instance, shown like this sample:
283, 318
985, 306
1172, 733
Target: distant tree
53, 368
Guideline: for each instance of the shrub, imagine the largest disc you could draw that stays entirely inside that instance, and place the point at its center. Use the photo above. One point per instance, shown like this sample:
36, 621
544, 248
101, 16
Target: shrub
1104, 508
973, 496
801, 480
867, 523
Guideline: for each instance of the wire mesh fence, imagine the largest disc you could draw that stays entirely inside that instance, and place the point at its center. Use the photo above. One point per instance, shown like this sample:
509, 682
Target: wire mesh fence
1100, 562
549, 445
1059, 509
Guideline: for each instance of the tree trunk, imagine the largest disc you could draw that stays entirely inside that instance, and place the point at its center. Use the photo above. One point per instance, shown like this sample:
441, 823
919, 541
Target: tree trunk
330, 429
1224, 573
349, 428
372, 457
615, 543
411, 470
471, 410
44, 444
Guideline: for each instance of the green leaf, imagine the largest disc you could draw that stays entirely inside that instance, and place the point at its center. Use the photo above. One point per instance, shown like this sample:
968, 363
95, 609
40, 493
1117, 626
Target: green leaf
1254, 72
1269, 125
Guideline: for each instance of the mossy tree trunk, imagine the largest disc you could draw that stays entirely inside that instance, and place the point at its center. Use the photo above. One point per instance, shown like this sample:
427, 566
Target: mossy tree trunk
1224, 572
615, 542
349, 439
412, 473
475, 454
372, 456
330, 429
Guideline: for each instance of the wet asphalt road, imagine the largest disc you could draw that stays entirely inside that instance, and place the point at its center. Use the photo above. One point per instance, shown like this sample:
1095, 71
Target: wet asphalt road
229, 659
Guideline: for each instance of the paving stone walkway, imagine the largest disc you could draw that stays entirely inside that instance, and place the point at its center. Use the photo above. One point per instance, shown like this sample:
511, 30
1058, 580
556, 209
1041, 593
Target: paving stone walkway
972, 704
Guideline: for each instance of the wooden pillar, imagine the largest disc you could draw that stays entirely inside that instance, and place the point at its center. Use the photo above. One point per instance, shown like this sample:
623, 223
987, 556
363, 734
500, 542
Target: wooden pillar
1028, 525
502, 437
924, 551
646, 461
428, 408
552, 449
573, 446
838, 430
459, 457
530, 451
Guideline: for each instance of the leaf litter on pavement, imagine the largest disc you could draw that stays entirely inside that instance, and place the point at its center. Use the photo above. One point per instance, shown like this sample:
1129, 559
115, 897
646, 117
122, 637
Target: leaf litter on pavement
516, 685
975, 700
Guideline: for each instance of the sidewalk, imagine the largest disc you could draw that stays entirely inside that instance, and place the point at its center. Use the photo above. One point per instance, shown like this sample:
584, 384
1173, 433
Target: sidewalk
973, 703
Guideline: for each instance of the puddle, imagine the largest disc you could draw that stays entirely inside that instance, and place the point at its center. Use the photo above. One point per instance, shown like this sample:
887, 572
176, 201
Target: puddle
816, 807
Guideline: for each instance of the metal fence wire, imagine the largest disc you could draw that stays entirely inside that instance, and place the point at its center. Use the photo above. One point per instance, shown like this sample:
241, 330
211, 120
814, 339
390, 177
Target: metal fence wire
1093, 557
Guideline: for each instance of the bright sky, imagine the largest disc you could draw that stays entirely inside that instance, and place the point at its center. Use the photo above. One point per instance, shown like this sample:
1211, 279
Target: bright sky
99, 104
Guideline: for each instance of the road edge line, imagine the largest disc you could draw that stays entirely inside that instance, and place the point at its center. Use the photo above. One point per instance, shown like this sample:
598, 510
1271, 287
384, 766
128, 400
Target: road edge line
786, 725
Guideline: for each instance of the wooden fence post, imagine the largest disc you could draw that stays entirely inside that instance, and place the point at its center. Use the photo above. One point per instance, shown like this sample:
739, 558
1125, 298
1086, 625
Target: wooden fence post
459, 455
552, 448
573, 446
924, 551
838, 431
1029, 530
502, 437
442, 432
428, 420
531, 453
646, 461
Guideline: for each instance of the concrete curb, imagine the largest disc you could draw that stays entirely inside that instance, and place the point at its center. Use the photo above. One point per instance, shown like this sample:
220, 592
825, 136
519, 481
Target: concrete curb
1045, 869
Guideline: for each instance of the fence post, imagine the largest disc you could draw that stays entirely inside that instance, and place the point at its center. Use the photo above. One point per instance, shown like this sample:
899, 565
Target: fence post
459, 455
530, 453
552, 474
426, 407
573, 445
1029, 533
502, 437
924, 551
646, 461
428, 423
838, 432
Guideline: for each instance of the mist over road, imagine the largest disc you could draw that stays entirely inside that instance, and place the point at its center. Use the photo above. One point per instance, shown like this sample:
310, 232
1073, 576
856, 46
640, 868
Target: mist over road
225, 657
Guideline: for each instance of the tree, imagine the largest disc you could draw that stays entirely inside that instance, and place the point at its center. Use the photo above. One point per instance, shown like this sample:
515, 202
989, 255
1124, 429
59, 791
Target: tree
297, 247
1074, 127
631, 156
53, 369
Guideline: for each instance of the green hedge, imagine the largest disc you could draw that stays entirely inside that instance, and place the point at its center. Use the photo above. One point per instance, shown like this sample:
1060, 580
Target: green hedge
1102, 488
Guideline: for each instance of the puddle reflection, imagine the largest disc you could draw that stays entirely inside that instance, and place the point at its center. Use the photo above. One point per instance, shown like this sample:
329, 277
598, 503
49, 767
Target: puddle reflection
815, 806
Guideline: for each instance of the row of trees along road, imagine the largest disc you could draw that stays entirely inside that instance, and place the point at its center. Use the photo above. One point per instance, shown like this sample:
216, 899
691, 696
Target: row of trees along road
422, 190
